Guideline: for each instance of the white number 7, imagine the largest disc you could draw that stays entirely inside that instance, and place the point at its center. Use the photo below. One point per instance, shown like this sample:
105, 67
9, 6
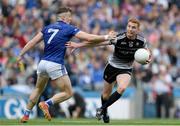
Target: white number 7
54, 32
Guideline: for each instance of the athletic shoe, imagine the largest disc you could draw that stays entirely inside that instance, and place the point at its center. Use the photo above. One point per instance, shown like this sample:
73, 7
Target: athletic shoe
99, 113
44, 107
106, 118
24, 119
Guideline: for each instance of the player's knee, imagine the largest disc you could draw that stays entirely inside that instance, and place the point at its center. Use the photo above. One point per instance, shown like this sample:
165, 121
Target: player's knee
121, 89
68, 96
69, 93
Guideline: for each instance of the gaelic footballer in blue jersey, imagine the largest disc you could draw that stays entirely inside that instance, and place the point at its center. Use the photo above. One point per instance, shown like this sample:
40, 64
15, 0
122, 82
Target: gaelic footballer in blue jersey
55, 36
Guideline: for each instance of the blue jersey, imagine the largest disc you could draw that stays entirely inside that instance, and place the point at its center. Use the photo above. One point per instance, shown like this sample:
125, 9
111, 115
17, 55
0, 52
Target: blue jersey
55, 37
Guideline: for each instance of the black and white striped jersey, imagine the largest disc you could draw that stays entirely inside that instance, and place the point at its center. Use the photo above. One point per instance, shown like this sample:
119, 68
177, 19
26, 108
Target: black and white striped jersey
123, 56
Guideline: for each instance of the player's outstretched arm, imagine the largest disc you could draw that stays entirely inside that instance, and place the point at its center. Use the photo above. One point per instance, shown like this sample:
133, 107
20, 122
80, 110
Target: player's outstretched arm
30, 45
71, 44
74, 45
93, 38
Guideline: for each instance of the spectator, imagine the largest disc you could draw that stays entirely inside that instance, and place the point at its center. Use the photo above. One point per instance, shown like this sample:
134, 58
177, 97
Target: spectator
163, 90
77, 110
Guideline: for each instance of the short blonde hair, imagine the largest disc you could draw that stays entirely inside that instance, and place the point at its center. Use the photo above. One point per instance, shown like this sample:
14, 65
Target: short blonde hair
134, 20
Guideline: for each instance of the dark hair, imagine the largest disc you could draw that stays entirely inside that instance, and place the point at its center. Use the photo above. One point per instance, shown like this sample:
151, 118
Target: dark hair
63, 10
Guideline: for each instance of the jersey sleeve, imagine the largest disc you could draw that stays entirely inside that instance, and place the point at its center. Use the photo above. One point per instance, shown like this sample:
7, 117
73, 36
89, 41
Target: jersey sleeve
141, 38
113, 41
145, 43
119, 36
73, 30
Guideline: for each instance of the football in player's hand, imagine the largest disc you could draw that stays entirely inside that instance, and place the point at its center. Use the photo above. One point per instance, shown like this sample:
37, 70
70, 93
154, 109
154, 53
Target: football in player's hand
142, 56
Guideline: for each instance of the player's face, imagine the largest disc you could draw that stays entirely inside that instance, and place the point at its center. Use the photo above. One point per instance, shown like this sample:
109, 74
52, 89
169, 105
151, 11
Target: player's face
69, 17
132, 30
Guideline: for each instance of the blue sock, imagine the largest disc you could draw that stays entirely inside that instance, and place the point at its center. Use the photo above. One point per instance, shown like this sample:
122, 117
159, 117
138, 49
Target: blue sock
27, 112
49, 102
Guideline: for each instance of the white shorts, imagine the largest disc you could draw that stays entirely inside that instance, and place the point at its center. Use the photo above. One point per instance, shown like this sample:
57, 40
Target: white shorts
51, 69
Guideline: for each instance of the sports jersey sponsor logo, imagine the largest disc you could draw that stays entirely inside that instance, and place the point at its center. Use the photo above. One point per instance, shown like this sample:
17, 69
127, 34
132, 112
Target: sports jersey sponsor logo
137, 43
131, 44
123, 43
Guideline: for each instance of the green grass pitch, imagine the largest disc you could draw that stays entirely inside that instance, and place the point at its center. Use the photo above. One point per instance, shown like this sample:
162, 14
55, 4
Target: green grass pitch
93, 122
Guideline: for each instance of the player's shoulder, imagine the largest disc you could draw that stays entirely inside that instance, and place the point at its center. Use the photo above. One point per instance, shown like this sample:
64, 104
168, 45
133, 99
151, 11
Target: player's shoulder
50, 26
121, 35
141, 37
72, 26
55, 24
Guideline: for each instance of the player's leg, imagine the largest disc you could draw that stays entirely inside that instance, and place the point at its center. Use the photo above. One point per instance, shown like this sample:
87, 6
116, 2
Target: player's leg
123, 81
107, 89
64, 85
59, 77
109, 80
40, 86
34, 97
58, 74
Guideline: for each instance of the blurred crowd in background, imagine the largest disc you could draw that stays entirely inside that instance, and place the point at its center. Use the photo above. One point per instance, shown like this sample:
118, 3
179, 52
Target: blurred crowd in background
20, 20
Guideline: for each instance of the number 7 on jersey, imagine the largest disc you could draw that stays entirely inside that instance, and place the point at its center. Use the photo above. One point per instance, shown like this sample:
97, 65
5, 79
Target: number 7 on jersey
54, 32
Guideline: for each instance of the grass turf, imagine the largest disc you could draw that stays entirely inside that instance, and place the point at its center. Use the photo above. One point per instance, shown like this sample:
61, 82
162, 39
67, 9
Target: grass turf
94, 122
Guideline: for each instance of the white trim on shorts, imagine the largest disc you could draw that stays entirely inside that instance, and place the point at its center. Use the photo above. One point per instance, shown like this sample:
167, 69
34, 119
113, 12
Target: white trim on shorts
51, 69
